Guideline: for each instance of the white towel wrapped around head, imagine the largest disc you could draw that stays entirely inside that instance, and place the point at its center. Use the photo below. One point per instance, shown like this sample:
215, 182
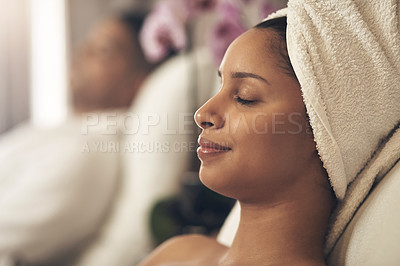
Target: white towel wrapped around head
346, 55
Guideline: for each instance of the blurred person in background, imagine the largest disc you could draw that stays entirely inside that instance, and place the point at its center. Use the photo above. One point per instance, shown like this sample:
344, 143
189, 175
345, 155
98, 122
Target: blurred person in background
57, 186
109, 67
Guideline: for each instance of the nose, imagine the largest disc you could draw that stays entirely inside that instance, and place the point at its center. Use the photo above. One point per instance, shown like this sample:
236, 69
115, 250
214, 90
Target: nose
209, 115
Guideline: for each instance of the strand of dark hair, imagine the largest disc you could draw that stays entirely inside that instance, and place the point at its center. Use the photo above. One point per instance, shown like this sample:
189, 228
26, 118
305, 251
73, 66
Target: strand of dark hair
278, 44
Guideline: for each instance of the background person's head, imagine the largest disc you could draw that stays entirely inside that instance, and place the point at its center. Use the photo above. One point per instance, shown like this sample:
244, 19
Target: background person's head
109, 67
259, 117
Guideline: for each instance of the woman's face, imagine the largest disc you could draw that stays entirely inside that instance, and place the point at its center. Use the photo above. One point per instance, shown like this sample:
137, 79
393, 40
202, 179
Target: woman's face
101, 73
255, 143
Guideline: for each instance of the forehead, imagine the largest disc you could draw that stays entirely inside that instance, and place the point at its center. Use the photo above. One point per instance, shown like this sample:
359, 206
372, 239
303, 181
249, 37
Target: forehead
249, 52
111, 29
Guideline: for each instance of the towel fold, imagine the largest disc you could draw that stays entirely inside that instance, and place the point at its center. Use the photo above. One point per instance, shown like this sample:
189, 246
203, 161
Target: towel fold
387, 155
346, 55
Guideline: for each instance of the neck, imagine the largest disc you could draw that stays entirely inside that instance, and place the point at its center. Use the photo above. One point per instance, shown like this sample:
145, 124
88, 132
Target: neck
290, 232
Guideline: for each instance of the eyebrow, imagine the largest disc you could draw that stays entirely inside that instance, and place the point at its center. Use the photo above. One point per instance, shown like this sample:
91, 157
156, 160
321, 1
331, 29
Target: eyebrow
246, 75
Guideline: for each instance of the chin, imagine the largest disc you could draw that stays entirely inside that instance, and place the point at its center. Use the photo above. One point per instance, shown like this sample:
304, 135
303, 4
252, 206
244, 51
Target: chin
218, 181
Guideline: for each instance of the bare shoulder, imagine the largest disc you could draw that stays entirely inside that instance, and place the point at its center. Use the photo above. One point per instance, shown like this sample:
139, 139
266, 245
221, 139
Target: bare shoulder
183, 249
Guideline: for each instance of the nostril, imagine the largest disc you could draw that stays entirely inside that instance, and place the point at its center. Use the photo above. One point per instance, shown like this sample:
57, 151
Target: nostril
206, 124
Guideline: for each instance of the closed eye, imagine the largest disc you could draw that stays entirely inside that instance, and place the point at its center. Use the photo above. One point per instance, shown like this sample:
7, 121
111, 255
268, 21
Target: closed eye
244, 101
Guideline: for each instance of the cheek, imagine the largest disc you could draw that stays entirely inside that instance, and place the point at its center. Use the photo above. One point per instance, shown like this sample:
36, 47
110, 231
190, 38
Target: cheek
266, 157
281, 146
258, 157
271, 158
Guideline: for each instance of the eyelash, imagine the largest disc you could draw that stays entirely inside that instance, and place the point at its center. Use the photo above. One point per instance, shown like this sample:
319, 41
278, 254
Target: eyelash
243, 101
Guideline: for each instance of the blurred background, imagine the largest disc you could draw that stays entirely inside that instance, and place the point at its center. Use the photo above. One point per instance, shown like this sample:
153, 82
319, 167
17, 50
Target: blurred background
97, 141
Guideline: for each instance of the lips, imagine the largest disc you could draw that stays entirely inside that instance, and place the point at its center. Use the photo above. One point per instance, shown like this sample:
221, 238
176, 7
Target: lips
208, 147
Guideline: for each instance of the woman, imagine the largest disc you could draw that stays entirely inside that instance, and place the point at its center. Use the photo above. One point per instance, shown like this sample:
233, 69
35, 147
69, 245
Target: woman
109, 67
256, 145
